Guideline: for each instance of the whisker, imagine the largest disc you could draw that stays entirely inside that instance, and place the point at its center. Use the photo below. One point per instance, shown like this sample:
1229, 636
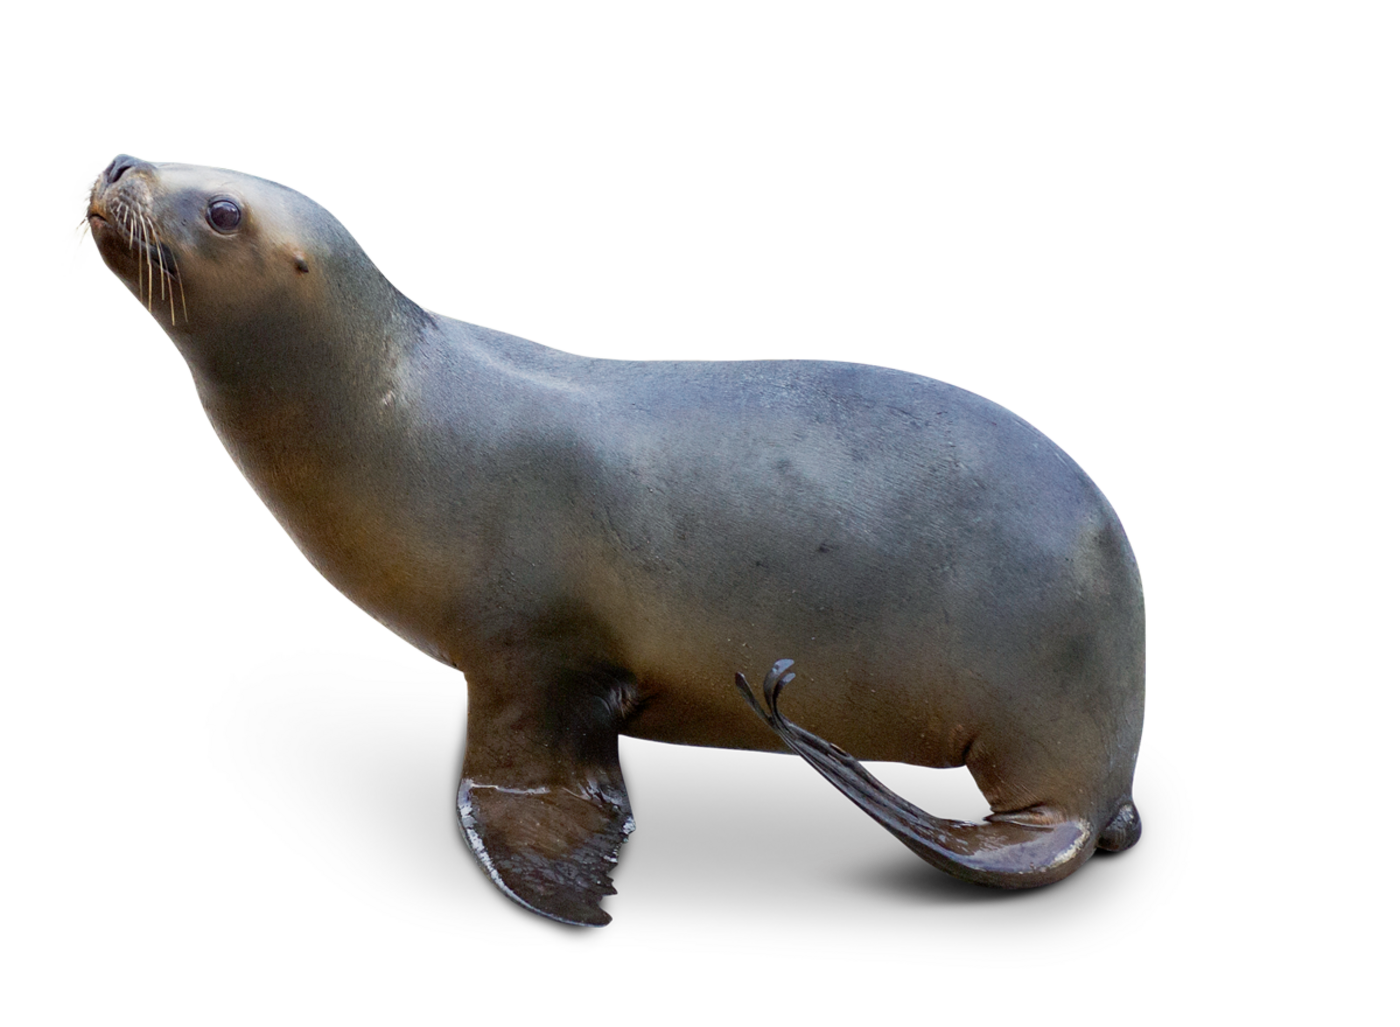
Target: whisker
143, 235
150, 272
164, 274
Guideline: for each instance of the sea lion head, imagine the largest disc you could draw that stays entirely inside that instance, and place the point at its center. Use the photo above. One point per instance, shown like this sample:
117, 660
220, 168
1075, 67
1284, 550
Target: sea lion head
228, 263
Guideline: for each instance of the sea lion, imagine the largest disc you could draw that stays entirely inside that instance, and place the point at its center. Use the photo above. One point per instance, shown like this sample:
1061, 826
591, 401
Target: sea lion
601, 545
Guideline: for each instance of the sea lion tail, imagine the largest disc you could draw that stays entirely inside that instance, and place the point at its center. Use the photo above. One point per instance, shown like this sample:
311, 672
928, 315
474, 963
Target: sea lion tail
1123, 829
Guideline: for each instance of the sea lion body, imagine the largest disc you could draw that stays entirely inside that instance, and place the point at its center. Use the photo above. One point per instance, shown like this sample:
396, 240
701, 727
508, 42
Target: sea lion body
600, 545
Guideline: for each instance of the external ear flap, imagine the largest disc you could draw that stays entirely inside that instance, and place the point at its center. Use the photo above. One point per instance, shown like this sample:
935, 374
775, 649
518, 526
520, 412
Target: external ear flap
301, 263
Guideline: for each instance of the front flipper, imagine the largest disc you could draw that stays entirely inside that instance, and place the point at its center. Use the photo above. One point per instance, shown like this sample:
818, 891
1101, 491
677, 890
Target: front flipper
542, 801
550, 848
1008, 850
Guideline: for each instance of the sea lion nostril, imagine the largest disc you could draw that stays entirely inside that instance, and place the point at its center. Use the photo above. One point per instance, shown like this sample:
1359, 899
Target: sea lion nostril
121, 164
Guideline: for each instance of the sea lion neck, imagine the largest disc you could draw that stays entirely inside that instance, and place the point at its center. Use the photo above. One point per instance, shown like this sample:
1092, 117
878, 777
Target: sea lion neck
330, 359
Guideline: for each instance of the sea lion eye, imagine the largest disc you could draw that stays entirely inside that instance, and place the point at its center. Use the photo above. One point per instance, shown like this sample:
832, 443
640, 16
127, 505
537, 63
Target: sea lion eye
224, 214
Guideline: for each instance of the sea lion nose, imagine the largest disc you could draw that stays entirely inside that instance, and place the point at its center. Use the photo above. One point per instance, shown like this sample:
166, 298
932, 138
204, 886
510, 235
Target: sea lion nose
121, 164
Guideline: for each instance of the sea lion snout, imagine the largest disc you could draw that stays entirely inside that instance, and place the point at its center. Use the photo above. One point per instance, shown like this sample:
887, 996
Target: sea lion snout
121, 164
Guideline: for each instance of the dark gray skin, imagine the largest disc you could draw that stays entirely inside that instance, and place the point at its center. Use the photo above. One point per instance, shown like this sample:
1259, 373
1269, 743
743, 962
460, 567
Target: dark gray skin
600, 545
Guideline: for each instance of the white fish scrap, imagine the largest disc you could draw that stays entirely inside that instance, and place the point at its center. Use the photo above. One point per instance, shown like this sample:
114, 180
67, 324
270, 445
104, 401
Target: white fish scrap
79, 237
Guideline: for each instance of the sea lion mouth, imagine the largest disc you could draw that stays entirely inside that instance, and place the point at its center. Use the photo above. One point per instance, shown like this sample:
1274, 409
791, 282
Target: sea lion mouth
115, 216
138, 245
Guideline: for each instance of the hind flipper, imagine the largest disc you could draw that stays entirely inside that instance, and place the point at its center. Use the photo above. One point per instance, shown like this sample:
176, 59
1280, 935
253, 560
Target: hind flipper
1008, 850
